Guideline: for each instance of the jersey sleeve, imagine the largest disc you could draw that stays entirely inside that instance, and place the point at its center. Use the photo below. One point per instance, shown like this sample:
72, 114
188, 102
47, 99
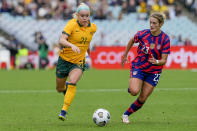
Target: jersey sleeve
136, 37
94, 28
68, 28
166, 47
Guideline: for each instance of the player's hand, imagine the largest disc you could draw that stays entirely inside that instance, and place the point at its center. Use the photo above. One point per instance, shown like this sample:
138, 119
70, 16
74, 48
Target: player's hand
152, 60
124, 59
75, 49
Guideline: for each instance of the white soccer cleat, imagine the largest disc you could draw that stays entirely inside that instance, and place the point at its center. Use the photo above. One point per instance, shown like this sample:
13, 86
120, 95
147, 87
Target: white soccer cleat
125, 119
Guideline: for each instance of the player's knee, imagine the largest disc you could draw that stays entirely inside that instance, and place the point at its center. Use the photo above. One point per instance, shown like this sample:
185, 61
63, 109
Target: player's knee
73, 81
58, 89
133, 92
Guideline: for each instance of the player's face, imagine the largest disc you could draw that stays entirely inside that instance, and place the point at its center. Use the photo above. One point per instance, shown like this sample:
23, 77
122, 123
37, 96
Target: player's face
154, 24
83, 17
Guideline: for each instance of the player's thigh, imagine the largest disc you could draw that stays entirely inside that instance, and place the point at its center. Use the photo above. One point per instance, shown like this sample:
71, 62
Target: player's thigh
74, 75
60, 83
146, 90
135, 84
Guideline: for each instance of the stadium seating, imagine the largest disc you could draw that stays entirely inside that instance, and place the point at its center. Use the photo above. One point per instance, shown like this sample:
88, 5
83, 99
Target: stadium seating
117, 32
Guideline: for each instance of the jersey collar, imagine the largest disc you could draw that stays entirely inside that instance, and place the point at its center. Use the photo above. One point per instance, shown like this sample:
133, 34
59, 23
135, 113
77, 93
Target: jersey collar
156, 35
81, 25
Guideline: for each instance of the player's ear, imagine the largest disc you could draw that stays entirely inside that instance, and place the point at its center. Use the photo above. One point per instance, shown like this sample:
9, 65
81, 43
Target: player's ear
161, 24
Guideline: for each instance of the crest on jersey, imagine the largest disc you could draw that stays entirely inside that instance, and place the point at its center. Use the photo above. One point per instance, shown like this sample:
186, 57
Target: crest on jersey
152, 45
134, 73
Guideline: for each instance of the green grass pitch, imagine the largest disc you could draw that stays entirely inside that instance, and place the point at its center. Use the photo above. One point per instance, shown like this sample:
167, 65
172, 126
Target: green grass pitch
29, 102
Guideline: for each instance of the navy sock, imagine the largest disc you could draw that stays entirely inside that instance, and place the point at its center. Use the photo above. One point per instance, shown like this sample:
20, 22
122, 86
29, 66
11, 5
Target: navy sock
134, 107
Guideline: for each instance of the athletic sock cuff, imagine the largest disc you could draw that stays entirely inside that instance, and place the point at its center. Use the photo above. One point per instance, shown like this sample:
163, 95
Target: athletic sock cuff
71, 84
140, 102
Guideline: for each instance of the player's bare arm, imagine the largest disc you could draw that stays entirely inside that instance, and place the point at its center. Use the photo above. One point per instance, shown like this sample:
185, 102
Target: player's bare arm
129, 45
63, 42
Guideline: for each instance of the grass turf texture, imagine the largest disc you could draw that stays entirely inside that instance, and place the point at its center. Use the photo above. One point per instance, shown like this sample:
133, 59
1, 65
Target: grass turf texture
28, 102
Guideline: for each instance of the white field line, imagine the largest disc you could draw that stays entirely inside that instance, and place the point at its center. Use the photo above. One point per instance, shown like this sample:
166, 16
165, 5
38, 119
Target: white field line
193, 70
92, 90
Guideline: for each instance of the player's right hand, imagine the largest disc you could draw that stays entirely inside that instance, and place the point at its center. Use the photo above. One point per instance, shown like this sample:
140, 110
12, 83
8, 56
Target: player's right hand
75, 49
124, 59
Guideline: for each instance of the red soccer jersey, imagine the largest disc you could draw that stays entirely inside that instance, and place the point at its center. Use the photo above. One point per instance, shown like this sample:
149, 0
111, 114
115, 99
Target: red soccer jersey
150, 45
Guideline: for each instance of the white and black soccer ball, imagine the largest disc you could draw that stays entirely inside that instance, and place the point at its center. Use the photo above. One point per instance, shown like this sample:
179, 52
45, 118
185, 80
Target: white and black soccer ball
101, 117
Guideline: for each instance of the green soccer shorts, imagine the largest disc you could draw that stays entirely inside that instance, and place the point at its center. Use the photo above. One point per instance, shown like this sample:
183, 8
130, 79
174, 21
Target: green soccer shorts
63, 67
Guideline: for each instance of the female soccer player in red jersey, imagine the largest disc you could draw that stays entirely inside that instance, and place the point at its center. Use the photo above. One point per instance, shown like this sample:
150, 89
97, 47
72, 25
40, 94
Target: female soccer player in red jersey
146, 68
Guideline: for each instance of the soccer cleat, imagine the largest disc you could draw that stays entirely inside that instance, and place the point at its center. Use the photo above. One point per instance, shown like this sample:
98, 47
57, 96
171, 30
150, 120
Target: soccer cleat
125, 119
62, 115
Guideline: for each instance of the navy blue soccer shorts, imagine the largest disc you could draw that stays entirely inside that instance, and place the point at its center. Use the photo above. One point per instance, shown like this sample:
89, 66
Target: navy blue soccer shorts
148, 77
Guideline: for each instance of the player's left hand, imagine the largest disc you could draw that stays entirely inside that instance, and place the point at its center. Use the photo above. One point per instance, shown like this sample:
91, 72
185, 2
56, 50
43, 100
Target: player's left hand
152, 60
124, 59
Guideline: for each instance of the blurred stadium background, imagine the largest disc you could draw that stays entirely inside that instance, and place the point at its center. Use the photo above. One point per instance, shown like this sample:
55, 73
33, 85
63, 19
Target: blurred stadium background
29, 34
32, 27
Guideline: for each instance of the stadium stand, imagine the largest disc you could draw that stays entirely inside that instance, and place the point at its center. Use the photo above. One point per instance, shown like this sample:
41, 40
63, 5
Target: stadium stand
23, 28
117, 20
191, 5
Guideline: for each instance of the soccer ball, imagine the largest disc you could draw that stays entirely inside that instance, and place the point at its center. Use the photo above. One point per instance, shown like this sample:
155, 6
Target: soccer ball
101, 117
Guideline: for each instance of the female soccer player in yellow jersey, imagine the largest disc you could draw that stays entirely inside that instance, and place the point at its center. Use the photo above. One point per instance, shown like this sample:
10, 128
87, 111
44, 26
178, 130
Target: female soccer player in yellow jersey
75, 40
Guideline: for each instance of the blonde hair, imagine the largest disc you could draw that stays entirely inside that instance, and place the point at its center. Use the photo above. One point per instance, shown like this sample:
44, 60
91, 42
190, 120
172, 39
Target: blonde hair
82, 6
159, 16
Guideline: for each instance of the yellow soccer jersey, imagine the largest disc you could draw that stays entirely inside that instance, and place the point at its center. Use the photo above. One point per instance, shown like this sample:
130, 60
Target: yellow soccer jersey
80, 37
